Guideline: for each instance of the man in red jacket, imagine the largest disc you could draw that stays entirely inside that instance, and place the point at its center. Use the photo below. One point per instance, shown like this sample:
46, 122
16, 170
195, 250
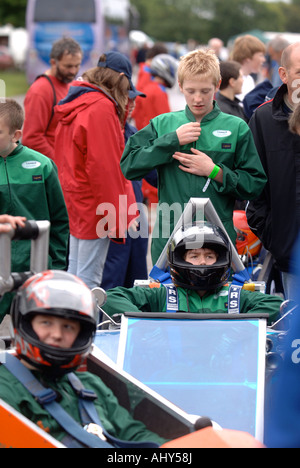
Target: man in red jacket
40, 121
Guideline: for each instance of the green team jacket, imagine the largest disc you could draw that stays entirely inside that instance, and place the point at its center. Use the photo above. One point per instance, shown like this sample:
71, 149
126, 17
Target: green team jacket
141, 299
29, 186
115, 419
225, 138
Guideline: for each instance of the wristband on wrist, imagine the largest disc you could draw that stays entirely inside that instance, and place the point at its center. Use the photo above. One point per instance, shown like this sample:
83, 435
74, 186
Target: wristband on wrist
214, 172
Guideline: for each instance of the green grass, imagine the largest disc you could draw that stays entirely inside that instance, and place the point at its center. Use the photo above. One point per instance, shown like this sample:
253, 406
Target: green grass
15, 82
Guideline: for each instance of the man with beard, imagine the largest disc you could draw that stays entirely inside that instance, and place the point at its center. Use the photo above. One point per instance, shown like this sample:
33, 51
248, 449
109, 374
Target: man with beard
46, 91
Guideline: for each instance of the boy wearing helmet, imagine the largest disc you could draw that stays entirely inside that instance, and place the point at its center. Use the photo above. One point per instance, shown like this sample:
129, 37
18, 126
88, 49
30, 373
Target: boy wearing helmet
54, 316
199, 258
197, 152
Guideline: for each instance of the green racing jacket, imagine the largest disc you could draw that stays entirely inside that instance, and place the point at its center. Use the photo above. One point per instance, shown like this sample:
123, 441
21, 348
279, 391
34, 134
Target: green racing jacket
29, 186
225, 138
140, 299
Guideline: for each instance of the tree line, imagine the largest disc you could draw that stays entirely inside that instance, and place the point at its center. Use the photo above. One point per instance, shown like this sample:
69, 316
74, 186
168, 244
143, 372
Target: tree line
180, 20
177, 20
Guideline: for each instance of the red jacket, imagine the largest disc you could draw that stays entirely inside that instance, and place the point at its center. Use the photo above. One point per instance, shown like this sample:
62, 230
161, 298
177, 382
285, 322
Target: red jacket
88, 147
155, 103
39, 126
144, 76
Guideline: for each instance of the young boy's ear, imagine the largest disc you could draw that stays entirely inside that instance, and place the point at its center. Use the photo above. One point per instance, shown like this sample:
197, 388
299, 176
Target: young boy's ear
17, 136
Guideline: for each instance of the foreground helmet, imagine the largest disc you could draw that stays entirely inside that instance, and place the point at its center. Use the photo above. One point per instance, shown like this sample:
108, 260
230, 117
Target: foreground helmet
165, 66
59, 294
199, 277
246, 241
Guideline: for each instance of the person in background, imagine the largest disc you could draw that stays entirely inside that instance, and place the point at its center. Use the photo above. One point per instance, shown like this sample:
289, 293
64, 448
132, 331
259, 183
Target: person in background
127, 262
275, 49
217, 46
88, 145
144, 75
274, 216
163, 70
231, 85
46, 91
250, 52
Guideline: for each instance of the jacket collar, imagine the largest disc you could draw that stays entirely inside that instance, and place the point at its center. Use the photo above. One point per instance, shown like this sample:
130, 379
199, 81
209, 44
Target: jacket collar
280, 111
212, 115
83, 87
15, 151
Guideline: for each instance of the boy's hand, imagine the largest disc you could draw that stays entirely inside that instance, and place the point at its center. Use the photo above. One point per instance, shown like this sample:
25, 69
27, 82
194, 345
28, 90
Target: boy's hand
188, 133
197, 163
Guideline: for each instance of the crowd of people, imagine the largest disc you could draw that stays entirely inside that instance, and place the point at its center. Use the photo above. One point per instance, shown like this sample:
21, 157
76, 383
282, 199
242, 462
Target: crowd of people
80, 163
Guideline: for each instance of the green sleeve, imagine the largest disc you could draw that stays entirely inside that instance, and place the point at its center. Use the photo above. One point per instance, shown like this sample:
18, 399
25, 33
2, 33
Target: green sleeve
116, 419
59, 231
257, 302
120, 300
145, 151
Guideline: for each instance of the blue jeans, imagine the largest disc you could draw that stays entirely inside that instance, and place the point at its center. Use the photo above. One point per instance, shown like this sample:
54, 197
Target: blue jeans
87, 259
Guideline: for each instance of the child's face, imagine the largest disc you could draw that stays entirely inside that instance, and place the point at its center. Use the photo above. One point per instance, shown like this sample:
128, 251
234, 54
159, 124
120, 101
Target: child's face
199, 95
55, 331
8, 140
201, 256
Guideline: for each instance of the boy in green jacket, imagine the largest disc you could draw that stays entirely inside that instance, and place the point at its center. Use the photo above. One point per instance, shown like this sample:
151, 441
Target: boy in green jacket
29, 187
199, 258
197, 152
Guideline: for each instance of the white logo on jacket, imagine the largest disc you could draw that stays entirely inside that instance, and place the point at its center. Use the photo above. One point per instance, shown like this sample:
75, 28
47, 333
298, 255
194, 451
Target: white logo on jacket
222, 133
31, 164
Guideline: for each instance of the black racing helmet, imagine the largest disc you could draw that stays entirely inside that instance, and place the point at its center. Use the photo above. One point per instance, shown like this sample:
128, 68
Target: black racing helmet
199, 277
59, 294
